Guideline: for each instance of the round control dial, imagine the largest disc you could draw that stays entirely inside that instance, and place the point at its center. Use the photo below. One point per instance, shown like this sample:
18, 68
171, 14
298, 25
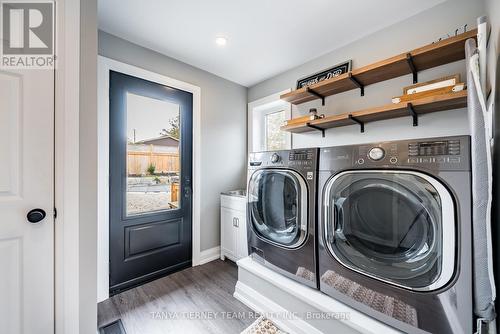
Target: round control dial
376, 153
275, 158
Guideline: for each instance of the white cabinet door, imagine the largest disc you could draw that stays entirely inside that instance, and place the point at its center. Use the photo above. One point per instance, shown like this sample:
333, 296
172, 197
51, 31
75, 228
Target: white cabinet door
228, 233
26, 183
242, 244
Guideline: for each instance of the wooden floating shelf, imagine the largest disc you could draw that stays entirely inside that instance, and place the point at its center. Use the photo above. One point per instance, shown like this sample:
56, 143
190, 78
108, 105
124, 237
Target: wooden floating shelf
429, 56
409, 109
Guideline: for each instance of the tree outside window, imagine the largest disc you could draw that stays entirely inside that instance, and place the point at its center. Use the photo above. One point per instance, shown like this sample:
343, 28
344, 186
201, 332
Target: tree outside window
275, 138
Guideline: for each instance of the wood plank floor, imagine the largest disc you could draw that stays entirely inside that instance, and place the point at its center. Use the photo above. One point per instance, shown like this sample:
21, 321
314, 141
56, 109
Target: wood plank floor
195, 300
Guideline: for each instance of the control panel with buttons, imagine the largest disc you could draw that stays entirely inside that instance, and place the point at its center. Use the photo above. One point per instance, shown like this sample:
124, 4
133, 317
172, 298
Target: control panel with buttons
434, 148
300, 155
433, 153
298, 158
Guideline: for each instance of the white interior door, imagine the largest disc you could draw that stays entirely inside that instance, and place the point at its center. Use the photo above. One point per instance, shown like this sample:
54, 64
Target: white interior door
26, 183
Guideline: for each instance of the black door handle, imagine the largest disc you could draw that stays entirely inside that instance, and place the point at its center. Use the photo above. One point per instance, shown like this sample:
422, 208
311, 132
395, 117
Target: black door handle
36, 215
187, 187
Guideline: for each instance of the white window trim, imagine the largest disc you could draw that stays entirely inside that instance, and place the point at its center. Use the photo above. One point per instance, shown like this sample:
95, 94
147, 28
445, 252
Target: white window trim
256, 112
104, 66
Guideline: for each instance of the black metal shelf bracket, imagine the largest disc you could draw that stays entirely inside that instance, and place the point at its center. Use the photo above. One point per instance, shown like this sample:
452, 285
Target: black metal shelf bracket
413, 114
411, 65
309, 125
318, 95
357, 83
362, 124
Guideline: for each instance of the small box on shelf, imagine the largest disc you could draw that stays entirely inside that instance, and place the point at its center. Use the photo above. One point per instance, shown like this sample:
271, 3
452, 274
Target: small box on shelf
313, 115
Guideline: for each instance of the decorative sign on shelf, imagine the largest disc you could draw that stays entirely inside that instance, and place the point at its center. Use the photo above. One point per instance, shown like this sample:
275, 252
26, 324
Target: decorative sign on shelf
332, 72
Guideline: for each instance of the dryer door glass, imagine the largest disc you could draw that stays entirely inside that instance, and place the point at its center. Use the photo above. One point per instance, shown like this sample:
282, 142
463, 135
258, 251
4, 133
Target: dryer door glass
277, 206
394, 226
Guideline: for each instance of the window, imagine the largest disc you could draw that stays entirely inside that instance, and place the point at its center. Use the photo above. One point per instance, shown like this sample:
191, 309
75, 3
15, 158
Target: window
266, 116
153, 155
275, 138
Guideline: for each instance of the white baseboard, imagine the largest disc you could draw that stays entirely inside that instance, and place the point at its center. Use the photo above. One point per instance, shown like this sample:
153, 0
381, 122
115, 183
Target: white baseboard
261, 304
209, 255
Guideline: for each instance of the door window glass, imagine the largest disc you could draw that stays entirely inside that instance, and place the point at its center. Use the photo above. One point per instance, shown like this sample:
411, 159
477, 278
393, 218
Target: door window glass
388, 225
153, 159
275, 206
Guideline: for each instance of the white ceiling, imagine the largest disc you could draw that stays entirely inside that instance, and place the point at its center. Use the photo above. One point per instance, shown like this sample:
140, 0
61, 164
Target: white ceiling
265, 37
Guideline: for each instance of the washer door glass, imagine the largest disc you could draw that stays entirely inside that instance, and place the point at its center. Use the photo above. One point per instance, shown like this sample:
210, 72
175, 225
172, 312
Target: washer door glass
277, 200
389, 225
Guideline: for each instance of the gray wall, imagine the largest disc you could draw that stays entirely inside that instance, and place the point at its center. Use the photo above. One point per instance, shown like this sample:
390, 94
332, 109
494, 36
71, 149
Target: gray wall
417, 31
493, 12
223, 125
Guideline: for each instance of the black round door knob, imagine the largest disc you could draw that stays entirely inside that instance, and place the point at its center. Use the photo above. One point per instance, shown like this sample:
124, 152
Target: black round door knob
36, 215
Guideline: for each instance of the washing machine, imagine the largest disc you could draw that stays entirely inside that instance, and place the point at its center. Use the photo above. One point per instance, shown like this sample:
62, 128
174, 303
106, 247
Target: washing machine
282, 194
395, 232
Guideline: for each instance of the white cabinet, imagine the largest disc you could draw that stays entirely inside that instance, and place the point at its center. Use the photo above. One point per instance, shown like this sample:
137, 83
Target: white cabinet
242, 243
228, 233
233, 227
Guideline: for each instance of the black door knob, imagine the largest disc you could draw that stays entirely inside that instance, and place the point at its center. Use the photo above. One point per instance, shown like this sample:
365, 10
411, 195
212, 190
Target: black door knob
36, 215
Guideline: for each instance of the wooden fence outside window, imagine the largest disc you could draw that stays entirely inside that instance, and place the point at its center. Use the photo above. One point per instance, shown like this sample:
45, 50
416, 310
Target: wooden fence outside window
165, 163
